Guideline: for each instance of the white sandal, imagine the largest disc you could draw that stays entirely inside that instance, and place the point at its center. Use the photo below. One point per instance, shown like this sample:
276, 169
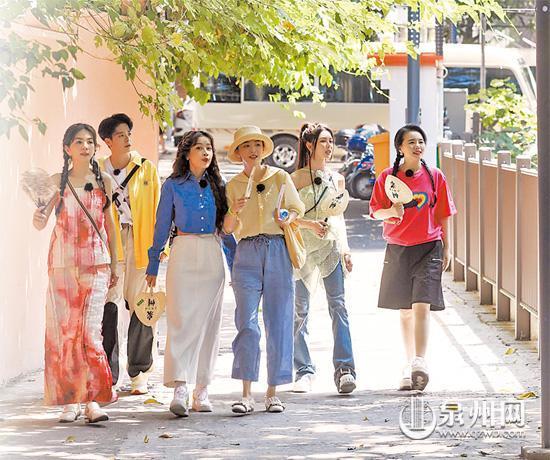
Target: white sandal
274, 405
94, 413
244, 406
70, 413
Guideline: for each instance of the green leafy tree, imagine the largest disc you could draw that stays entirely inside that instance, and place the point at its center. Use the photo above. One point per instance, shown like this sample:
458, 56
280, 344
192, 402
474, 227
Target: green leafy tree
507, 121
285, 43
519, 23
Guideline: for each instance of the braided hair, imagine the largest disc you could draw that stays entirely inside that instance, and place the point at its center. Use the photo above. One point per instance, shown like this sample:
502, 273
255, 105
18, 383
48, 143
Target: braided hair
181, 167
68, 139
398, 141
99, 180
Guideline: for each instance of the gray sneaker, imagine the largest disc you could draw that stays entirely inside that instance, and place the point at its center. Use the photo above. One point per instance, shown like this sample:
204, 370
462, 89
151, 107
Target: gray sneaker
419, 374
346, 382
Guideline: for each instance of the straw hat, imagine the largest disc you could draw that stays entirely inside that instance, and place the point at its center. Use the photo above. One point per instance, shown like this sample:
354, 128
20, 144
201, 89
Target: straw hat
245, 134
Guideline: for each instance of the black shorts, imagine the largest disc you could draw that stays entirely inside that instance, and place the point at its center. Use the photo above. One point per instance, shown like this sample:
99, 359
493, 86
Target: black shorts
412, 274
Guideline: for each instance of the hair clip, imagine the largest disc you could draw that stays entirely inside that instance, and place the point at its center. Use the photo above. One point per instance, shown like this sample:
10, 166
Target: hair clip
203, 183
88, 187
260, 188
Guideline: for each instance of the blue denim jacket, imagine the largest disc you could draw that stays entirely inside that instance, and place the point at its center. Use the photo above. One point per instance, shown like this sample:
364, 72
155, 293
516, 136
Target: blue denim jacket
192, 209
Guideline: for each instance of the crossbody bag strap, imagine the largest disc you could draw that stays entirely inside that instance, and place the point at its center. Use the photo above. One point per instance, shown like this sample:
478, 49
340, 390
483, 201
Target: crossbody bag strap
132, 172
85, 210
318, 200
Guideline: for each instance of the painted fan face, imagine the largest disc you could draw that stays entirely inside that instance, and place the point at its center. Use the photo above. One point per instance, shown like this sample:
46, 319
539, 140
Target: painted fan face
38, 185
397, 191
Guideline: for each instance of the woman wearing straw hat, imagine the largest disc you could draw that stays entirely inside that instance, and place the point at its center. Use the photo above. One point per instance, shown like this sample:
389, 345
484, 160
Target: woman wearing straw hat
261, 267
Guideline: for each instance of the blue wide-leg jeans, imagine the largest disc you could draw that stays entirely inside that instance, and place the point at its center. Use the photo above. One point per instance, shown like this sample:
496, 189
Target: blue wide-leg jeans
262, 269
342, 355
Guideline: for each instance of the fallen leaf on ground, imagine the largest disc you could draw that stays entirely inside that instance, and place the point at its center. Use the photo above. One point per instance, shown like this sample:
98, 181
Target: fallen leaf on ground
166, 435
146, 439
70, 439
151, 401
366, 419
510, 351
527, 395
234, 443
463, 455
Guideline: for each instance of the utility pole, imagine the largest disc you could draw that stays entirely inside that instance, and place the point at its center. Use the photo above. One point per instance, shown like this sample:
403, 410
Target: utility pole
543, 136
483, 70
413, 69
543, 147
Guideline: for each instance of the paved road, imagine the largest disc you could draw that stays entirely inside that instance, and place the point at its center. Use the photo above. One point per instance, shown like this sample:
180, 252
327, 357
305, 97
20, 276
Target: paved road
472, 359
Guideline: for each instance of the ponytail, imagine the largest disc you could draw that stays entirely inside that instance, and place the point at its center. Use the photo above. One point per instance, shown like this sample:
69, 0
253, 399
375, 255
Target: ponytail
309, 132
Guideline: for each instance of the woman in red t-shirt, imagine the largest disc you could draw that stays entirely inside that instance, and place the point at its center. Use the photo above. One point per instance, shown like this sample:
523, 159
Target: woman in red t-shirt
418, 248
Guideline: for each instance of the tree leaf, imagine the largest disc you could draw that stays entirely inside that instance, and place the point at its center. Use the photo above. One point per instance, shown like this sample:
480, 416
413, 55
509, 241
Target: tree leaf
42, 127
23, 132
77, 74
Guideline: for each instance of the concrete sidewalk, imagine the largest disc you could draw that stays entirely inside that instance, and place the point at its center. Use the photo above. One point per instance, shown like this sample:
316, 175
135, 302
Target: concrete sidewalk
468, 362
473, 361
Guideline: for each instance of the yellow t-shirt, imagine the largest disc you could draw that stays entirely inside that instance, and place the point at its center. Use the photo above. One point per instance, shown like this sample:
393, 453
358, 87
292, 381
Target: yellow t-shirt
258, 216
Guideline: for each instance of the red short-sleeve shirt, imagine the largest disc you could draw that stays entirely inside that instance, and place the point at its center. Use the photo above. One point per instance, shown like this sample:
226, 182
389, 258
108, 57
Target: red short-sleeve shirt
421, 223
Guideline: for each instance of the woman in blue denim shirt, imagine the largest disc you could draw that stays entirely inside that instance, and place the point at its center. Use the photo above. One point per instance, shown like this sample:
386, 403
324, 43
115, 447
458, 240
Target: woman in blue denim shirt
193, 198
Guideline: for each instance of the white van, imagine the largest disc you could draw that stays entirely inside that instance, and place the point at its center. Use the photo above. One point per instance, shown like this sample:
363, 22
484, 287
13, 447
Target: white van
355, 102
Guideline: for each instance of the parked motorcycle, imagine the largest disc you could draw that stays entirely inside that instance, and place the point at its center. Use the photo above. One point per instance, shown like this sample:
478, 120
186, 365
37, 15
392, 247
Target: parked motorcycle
358, 143
359, 175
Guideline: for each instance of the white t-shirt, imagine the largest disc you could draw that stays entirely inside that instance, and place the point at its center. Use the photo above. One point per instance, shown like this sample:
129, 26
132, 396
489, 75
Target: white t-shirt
123, 199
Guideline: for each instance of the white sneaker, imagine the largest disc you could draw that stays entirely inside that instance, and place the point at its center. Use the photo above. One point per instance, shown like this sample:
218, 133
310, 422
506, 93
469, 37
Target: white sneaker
139, 384
406, 380
70, 413
201, 403
180, 404
419, 373
303, 384
94, 413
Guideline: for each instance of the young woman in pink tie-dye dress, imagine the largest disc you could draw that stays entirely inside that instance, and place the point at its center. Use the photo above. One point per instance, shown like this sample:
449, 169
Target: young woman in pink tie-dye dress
81, 264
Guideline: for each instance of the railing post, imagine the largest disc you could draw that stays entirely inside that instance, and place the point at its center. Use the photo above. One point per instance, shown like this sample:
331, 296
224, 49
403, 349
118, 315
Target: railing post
471, 278
523, 317
485, 288
503, 301
458, 268
442, 149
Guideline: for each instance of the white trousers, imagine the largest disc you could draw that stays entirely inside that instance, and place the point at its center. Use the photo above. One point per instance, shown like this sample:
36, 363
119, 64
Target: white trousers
194, 296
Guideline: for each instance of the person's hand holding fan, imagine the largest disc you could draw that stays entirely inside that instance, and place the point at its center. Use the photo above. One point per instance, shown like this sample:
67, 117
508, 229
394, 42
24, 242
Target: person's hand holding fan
399, 194
39, 186
42, 190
